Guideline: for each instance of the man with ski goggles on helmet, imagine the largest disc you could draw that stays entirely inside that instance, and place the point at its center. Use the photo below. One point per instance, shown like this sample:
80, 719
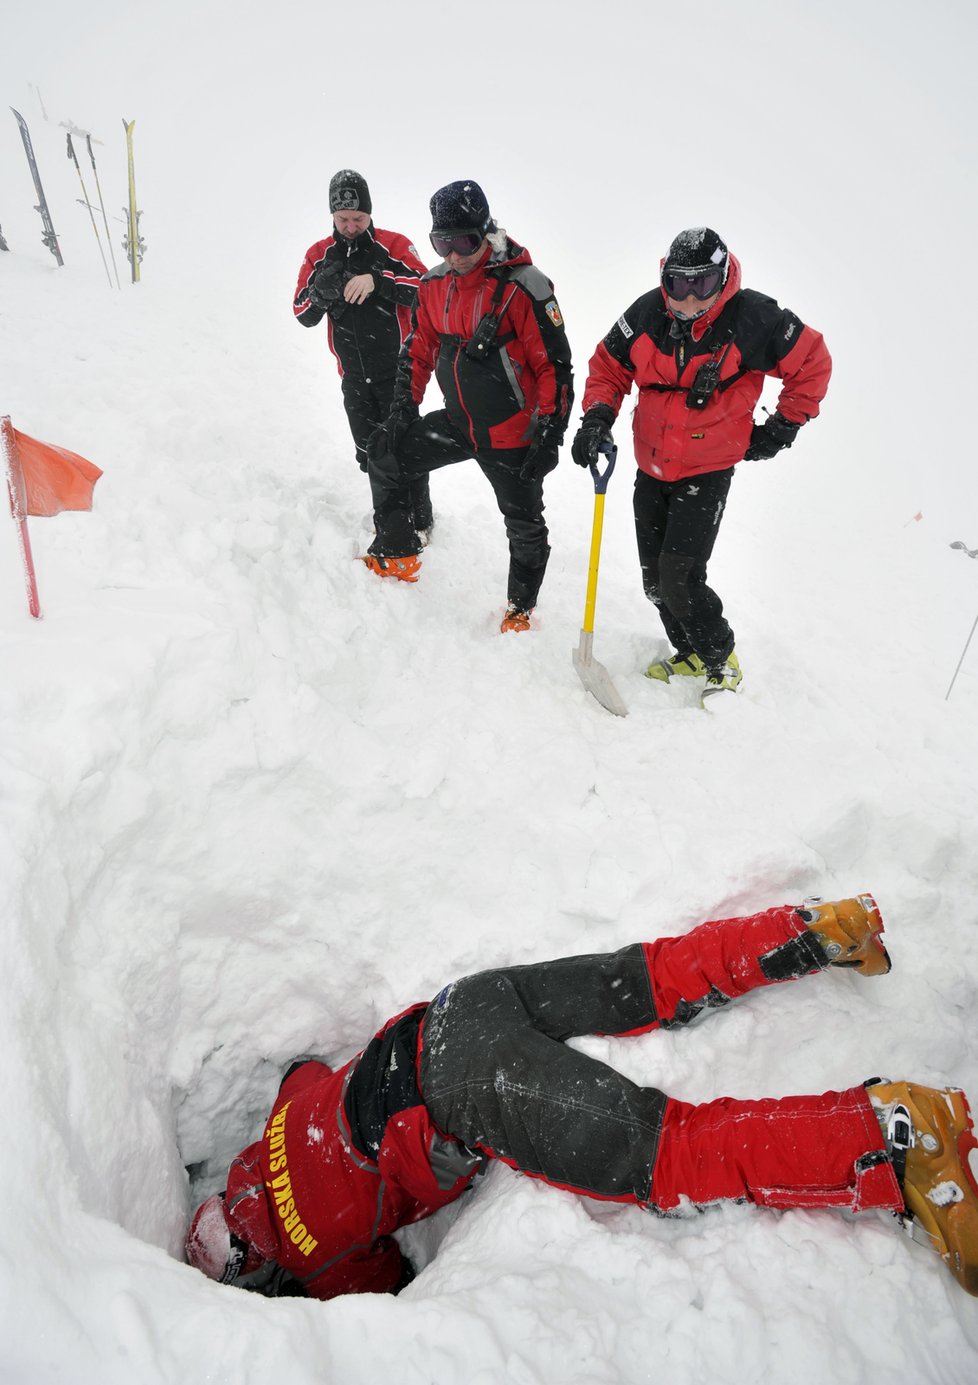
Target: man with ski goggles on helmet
699, 347
487, 325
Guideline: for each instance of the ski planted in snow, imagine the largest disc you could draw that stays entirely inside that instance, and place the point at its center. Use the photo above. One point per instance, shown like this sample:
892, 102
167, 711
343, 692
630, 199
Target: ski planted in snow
3, 243
49, 238
134, 244
74, 158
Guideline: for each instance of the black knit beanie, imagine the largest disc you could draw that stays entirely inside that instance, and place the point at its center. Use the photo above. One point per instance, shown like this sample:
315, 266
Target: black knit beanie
348, 192
460, 206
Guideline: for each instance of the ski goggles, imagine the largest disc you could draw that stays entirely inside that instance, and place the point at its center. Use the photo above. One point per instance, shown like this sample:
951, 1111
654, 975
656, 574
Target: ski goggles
701, 283
445, 243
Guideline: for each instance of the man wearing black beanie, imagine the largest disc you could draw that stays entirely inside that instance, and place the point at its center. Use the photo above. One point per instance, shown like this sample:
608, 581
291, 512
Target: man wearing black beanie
487, 325
364, 281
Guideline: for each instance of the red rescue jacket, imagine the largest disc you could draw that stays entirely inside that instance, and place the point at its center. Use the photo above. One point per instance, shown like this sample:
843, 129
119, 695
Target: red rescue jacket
321, 1191
364, 337
494, 401
747, 335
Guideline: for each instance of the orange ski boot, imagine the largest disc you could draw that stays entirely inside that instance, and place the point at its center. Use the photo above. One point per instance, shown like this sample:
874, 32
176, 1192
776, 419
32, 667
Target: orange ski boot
515, 619
930, 1136
405, 569
850, 932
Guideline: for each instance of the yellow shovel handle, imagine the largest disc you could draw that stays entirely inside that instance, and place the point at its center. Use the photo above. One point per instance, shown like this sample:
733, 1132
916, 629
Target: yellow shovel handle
592, 571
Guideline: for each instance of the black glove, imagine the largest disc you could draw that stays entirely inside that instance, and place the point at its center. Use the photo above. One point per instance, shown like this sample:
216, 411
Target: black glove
542, 456
385, 439
594, 430
768, 438
326, 286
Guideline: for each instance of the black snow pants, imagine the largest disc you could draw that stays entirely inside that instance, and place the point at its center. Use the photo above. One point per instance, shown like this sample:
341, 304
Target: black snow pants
433, 442
368, 404
676, 525
495, 1071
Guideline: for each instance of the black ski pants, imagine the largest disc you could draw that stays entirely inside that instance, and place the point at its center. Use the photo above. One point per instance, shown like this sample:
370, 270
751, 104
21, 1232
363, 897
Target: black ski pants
368, 404
496, 1073
433, 442
676, 525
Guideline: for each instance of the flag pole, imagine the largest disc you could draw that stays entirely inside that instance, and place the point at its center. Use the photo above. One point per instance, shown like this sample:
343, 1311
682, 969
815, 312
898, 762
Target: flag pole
17, 493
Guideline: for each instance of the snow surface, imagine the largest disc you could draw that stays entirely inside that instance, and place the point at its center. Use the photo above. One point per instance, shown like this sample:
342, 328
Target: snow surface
254, 800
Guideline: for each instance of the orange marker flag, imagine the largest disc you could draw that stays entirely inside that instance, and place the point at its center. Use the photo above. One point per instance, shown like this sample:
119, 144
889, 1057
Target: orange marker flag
42, 480
54, 479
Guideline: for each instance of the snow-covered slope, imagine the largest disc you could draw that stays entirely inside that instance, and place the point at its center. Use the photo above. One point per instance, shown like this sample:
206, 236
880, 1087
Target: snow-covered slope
254, 800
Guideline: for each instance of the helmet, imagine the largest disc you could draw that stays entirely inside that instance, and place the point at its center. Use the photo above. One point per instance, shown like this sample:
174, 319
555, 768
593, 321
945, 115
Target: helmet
696, 250
214, 1249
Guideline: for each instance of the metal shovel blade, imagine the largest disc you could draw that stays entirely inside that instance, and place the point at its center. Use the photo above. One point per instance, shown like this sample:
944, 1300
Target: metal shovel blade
596, 678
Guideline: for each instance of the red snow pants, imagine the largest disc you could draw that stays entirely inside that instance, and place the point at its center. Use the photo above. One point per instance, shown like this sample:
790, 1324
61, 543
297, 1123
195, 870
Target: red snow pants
496, 1073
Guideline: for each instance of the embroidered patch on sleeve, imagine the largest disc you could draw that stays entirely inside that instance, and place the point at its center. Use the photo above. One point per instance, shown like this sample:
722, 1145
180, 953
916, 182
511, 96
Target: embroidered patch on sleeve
624, 328
553, 312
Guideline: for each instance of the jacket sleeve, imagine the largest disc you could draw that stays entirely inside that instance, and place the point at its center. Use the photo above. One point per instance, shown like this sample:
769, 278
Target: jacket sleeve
611, 373
308, 315
373, 1270
540, 325
805, 370
418, 354
773, 339
398, 275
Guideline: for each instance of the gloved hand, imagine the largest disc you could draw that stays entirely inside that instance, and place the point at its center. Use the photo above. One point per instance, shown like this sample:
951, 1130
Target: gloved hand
768, 438
326, 285
385, 439
594, 430
542, 456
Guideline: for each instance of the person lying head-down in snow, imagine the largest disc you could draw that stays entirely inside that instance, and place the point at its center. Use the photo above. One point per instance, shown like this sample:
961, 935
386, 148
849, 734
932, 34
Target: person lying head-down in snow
483, 1072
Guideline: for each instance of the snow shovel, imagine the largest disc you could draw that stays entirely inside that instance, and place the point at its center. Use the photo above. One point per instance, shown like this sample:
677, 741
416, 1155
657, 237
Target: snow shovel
593, 675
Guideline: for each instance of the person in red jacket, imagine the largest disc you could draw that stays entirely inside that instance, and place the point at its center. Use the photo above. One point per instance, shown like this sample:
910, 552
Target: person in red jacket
364, 281
483, 1072
488, 325
698, 347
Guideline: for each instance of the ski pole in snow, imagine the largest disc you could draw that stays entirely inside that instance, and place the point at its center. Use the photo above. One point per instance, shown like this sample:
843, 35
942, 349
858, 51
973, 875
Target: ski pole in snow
91, 215
594, 676
972, 553
105, 219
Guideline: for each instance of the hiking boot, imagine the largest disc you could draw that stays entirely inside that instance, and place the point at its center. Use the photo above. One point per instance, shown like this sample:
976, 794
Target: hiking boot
724, 677
850, 933
687, 665
405, 569
515, 619
930, 1136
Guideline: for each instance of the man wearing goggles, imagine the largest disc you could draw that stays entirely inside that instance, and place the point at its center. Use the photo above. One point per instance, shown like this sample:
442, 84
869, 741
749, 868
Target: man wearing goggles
699, 348
487, 325
364, 281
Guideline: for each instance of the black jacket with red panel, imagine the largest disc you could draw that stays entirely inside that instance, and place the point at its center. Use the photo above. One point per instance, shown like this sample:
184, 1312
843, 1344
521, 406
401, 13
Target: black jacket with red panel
746, 335
347, 1157
496, 396
365, 337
